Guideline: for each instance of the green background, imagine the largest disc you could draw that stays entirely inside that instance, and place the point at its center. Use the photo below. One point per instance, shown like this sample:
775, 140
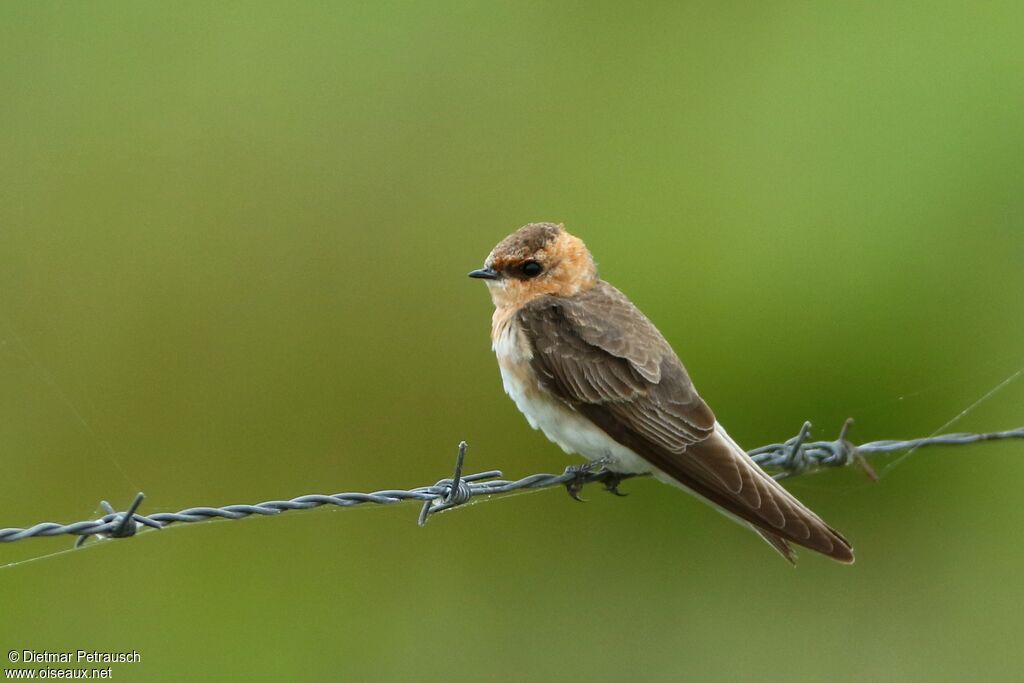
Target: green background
233, 247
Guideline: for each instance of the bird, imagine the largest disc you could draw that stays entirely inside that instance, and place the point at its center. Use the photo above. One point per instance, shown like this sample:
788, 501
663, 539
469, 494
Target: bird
592, 372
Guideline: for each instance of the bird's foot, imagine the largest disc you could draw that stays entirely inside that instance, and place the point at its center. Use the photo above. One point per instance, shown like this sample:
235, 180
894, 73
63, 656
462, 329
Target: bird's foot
593, 471
579, 478
611, 481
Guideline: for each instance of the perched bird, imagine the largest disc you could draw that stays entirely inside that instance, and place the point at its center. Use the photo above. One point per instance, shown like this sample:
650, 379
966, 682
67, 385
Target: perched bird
587, 368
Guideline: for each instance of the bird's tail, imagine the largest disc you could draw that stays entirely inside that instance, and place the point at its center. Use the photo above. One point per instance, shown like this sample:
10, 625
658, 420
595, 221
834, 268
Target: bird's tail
781, 545
753, 498
840, 549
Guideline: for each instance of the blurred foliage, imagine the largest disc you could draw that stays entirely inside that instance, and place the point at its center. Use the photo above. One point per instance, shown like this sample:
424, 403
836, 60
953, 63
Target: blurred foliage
233, 246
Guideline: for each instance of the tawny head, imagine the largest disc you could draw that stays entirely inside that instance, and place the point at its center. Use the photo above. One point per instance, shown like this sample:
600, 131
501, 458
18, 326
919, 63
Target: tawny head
535, 260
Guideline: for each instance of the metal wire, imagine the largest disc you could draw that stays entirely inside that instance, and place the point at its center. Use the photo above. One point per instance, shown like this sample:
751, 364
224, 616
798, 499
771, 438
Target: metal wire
790, 458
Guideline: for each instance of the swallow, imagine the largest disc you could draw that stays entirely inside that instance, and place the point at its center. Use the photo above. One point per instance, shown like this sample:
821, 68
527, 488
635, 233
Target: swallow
589, 370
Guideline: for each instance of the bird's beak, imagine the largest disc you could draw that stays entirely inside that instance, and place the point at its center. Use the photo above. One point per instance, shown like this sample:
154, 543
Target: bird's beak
484, 274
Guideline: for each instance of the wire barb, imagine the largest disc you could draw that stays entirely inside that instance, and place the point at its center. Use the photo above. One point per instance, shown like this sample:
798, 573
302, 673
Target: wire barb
122, 524
456, 491
790, 458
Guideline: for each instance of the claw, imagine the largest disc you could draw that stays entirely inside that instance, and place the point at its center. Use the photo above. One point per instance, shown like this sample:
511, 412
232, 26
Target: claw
579, 478
575, 485
611, 481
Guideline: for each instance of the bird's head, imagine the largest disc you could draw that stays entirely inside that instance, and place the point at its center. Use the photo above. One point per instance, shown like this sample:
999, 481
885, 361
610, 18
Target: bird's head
537, 259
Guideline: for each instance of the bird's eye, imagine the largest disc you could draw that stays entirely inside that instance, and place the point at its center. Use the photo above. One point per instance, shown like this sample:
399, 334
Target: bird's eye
531, 269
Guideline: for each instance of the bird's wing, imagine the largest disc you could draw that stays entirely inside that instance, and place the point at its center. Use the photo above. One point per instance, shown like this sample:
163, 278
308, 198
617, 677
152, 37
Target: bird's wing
600, 355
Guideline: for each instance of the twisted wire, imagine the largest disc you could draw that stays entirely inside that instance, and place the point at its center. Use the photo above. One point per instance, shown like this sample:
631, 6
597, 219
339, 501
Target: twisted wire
792, 457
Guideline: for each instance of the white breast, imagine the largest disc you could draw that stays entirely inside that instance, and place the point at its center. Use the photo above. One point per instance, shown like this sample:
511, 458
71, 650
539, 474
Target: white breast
573, 432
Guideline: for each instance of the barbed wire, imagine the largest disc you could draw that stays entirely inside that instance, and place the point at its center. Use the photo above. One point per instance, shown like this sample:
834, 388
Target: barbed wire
790, 458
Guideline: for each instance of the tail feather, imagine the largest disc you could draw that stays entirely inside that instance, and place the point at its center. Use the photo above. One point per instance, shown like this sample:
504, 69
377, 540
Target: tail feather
756, 500
780, 544
836, 545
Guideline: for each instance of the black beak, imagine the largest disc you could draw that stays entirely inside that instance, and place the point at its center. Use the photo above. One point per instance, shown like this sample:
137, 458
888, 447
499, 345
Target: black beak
484, 274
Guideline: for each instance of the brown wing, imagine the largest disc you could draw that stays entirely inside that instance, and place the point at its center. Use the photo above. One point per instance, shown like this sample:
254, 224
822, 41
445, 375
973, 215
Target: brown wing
600, 355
